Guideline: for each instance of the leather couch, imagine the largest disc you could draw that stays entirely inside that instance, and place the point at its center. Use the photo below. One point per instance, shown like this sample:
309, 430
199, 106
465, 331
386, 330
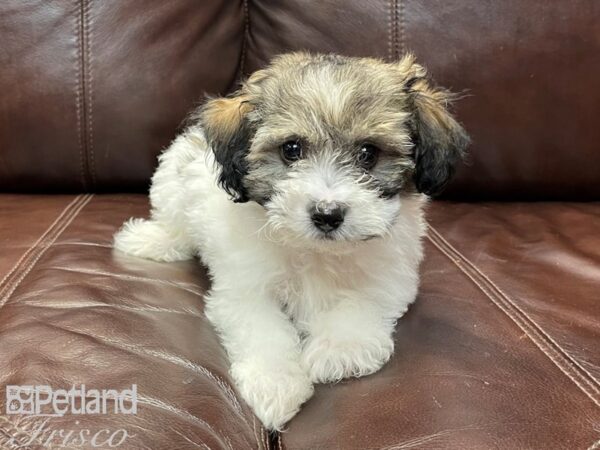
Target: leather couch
501, 349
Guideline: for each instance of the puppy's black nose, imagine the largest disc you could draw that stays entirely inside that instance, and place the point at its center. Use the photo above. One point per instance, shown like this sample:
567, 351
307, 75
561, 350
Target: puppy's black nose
327, 216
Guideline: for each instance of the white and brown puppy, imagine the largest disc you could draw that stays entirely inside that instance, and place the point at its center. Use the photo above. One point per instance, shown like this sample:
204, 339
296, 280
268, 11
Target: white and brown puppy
303, 194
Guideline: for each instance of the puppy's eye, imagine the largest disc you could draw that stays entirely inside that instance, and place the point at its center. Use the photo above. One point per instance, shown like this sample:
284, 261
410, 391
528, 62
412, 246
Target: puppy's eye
291, 151
367, 156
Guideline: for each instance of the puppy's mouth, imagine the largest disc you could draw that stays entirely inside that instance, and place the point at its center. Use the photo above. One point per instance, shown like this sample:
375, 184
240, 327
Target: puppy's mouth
327, 237
336, 236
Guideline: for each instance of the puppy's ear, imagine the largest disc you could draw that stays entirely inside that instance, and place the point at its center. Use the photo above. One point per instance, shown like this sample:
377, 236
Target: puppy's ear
228, 134
440, 141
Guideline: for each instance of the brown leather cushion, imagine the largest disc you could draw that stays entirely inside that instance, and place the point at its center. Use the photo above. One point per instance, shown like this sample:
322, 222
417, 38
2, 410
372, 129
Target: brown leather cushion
74, 312
500, 349
92, 91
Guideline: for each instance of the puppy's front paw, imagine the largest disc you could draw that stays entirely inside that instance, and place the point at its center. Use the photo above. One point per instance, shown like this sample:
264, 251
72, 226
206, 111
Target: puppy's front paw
274, 392
329, 357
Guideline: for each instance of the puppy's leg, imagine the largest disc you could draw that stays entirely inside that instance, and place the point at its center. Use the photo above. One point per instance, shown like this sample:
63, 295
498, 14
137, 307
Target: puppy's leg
153, 240
350, 340
164, 237
354, 337
264, 350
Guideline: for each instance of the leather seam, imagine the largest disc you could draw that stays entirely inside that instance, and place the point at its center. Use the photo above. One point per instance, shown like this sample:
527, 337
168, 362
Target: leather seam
78, 98
35, 244
393, 29
521, 311
89, 90
558, 356
401, 48
68, 215
83, 94
389, 43
246, 35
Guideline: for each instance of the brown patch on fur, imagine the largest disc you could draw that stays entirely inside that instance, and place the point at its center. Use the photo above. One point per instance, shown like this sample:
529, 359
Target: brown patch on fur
223, 116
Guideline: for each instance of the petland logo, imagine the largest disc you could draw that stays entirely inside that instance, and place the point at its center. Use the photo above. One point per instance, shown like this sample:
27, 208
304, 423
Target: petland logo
31, 402
49, 402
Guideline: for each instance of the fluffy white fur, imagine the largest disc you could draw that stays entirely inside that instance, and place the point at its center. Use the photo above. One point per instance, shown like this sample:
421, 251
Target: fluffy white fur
291, 309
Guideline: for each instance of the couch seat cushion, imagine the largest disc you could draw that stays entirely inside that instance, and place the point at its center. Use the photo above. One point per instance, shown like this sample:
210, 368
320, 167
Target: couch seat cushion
73, 311
499, 351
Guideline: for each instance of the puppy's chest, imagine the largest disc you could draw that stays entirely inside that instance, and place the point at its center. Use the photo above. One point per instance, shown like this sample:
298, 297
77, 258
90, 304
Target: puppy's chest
314, 283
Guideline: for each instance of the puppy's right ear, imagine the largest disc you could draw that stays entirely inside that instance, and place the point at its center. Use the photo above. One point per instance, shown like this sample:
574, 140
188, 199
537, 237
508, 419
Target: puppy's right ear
228, 134
440, 141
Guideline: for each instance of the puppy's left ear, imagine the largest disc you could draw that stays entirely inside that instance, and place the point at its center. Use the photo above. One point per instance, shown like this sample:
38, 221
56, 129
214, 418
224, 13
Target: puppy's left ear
228, 133
440, 141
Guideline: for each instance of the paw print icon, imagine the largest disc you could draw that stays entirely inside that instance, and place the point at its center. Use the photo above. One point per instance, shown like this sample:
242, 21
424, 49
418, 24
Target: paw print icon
20, 400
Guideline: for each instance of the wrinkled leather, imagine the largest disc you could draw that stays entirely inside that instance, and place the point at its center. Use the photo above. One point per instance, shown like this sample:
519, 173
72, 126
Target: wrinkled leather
92, 91
499, 350
74, 311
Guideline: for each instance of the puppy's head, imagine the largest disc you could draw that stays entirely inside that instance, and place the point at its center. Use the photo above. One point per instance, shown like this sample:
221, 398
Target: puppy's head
331, 145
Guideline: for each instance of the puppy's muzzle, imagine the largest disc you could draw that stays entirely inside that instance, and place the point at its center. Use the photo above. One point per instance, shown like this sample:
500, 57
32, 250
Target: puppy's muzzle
327, 216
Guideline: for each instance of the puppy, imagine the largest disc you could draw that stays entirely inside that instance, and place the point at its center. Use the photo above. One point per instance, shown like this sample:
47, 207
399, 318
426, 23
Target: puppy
303, 194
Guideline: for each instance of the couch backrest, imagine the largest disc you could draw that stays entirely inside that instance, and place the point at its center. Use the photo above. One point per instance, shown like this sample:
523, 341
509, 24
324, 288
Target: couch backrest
91, 91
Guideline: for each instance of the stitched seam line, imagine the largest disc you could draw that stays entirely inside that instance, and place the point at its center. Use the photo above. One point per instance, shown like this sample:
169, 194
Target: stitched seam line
393, 30
531, 329
537, 335
78, 99
593, 380
73, 210
390, 14
90, 121
35, 244
83, 95
242, 61
402, 35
